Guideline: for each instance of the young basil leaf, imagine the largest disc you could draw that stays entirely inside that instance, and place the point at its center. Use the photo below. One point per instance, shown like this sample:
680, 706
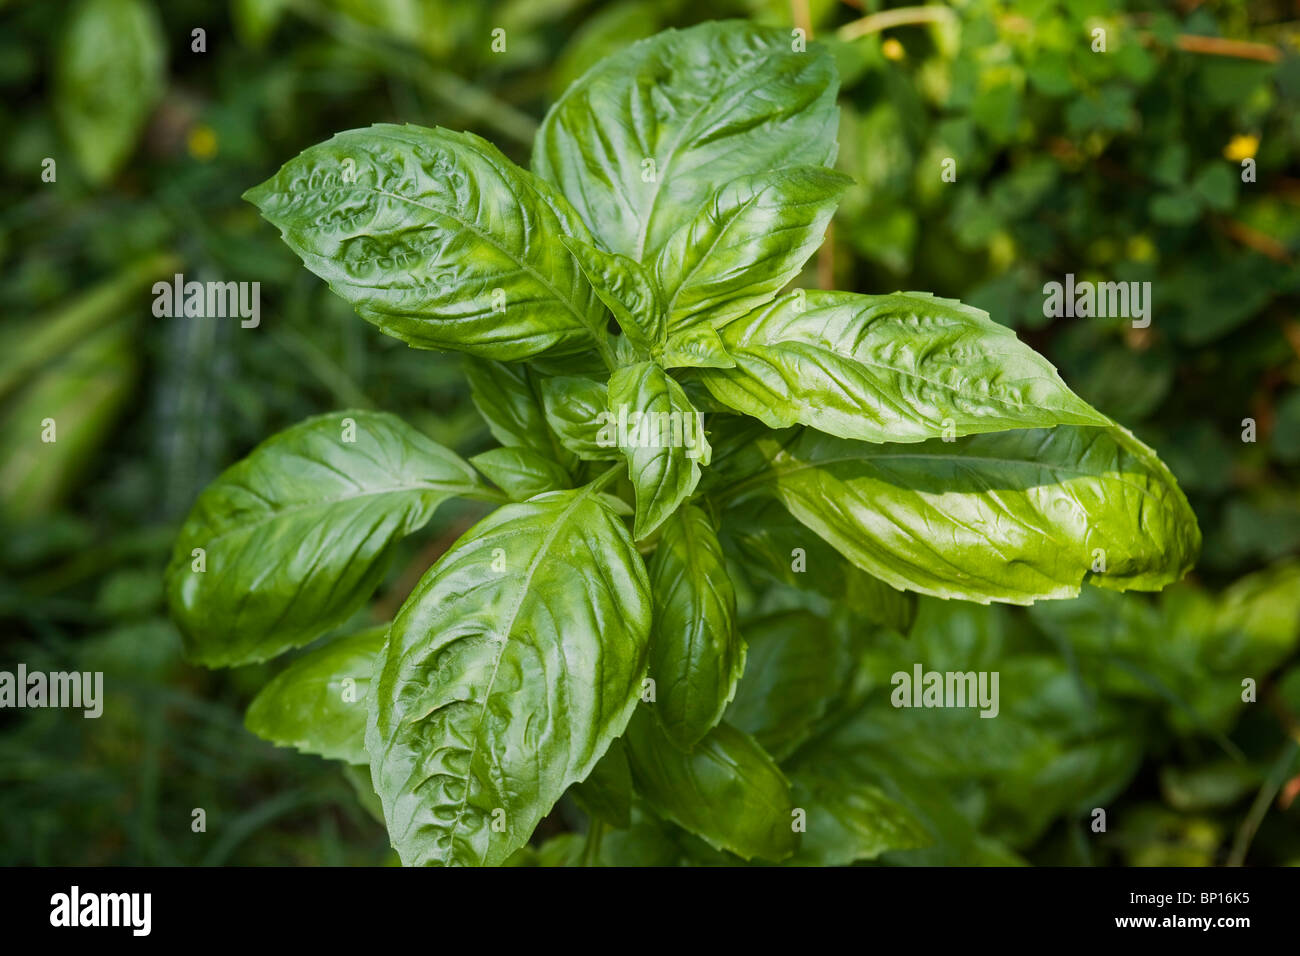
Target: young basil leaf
1011, 516
318, 703
109, 75
896, 368
795, 669
772, 542
521, 472
696, 347
848, 819
696, 654
292, 540
607, 791
509, 397
727, 790
509, 670
742, 247
644, 137
437, 239
626, 288
575, 410
661, 435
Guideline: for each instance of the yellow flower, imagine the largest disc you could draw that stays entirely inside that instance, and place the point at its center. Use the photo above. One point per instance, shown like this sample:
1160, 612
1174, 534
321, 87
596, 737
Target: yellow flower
1241, 147
202, 142
892, 49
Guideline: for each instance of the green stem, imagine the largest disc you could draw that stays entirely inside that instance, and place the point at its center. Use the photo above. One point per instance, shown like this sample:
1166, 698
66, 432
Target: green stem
605, 478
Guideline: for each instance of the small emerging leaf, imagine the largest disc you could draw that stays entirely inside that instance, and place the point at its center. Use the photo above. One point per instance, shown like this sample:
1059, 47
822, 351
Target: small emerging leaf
696, 654
318, 703
521, 472
696, 347
663, 440
626, 288
575, 410
509, 397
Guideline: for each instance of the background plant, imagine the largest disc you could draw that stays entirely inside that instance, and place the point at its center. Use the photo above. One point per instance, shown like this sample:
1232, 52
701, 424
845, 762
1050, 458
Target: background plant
82, 581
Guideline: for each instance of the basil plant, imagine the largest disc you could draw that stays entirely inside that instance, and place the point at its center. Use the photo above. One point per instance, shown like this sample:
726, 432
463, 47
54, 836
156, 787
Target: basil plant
672, 418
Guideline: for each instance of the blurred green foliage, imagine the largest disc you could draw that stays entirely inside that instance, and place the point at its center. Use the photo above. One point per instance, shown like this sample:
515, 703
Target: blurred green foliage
1118, 165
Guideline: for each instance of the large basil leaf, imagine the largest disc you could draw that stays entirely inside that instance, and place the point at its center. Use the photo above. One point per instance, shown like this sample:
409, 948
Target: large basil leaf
509, 397
769, 540
898, 368
727, 790
1011, 516
576, 410
743, 246
109, 75
663, 440
438, 239
318, 703
643, 138
696, 654
627, 289
296, 537
509, 670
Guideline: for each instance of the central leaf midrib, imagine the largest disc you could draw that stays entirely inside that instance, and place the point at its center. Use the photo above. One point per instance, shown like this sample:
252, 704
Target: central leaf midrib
276, 513
547, 540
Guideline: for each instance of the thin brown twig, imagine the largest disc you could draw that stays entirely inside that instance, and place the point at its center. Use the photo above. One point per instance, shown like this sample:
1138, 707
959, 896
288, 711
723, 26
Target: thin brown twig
826, 259
1253, 238
801, 14
898, 17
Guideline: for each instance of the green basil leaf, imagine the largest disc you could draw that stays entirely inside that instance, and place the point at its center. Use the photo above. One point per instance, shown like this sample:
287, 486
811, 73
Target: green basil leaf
696, 655
438, 239
626, 288
296, 537
696, 347
795, 669
848, 819
661, 435
318, 703
640, 142
742, 247
607, 791
727, 790
1011, 516
576, 410
509, 670
110, 73
768, 539
521, 472
896, 368
509, 397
